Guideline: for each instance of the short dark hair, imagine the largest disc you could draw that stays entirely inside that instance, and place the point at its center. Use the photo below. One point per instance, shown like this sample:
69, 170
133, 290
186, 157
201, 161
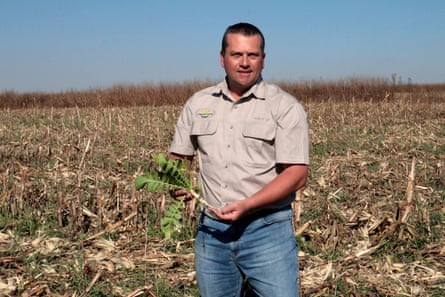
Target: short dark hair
245, 29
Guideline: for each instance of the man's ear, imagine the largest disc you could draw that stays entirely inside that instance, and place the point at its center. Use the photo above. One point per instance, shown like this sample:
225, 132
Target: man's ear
221, 59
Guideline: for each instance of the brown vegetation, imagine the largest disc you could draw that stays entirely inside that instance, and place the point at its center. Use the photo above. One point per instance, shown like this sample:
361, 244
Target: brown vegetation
375, 89
369, 223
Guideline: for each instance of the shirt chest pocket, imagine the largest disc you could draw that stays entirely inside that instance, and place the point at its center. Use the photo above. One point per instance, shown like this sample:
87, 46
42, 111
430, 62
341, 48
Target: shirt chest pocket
203, 134
259, 140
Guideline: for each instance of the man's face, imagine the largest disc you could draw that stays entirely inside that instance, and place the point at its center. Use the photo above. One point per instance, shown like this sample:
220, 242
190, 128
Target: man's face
243, 62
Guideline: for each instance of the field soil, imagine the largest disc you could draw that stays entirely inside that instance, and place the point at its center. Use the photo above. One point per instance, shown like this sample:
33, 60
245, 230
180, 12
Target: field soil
370, 222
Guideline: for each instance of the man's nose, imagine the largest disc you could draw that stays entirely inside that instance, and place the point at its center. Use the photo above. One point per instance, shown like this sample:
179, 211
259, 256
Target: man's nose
244, 61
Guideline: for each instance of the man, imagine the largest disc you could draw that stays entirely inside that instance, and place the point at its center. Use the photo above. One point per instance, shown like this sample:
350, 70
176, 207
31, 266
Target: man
252, 144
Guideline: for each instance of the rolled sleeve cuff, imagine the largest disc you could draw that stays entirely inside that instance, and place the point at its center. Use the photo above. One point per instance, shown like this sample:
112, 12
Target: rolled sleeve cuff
181, 150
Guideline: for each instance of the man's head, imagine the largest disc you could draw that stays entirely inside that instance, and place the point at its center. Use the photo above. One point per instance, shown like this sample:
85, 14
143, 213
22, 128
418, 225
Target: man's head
242, 57
245, 29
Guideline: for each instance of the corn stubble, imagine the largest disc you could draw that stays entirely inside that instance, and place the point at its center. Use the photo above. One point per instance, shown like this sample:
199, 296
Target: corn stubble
370, 221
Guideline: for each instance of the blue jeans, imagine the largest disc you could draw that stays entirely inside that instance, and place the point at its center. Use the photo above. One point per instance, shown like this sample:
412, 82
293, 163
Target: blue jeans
260, 250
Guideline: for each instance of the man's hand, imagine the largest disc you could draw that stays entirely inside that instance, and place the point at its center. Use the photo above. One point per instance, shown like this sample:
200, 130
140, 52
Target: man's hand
181, 195
231, 212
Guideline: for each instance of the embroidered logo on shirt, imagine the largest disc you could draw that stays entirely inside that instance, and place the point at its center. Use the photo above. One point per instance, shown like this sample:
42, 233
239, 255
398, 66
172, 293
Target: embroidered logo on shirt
205, 113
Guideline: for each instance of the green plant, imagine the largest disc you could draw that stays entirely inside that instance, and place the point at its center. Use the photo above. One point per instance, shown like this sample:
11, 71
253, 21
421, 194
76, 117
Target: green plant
171, 221
169, 175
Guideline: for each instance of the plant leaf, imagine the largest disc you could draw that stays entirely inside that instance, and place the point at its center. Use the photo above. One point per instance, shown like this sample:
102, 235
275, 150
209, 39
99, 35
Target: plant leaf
170, 174
140, 182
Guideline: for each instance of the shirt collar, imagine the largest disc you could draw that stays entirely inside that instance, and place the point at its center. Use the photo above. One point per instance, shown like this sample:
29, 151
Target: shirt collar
257, 91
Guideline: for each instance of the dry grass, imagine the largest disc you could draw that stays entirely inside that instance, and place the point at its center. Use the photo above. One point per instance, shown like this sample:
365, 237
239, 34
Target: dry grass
368, 89
375, 203
371, 223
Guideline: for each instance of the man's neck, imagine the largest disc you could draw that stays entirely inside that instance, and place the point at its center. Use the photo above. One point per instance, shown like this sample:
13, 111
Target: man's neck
237, 91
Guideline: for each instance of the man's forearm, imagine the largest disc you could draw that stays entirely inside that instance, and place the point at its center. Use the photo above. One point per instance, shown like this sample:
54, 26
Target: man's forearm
290, 180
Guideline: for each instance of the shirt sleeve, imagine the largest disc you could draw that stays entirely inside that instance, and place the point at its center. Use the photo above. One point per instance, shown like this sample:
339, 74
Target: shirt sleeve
292, 137
182, 143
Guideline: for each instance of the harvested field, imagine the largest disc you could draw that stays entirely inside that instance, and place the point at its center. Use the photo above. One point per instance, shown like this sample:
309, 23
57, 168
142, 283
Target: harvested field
371, 221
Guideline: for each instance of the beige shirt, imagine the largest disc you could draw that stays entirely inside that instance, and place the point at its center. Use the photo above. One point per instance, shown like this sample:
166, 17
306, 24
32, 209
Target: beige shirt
240, 143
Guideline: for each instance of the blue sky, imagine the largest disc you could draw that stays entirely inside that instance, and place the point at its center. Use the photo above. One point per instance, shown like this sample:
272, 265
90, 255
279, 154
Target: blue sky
59, 45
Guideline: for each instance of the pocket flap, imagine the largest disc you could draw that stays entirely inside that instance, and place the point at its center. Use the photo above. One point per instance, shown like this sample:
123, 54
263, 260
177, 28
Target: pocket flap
204, 128
259, 130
